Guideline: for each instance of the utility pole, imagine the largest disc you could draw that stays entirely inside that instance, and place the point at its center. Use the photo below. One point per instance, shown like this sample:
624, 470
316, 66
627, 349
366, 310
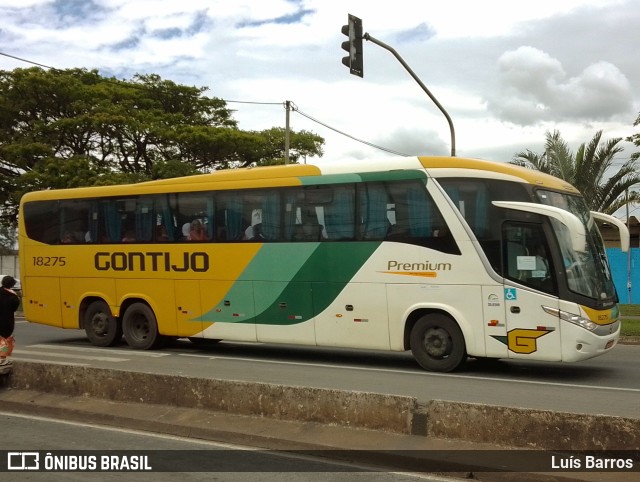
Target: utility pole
628, 252
287, 107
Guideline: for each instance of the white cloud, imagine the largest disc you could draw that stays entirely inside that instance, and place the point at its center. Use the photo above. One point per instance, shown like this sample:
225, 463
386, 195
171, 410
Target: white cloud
536, 88
505, 71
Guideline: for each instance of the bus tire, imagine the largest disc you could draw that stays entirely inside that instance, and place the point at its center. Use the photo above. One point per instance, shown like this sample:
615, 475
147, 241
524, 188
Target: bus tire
437, 343
101, 327
140, 327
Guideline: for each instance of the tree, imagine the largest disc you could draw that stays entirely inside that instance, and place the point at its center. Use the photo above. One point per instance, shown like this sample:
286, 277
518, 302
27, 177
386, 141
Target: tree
70, 128
635, 138
589, 170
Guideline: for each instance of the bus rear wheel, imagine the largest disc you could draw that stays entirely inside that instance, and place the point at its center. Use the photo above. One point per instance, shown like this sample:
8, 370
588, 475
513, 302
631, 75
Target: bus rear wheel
437, 343
101, 327
140, 327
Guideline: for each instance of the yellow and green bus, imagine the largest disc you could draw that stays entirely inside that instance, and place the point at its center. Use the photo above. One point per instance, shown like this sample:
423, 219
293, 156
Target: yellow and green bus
447, 257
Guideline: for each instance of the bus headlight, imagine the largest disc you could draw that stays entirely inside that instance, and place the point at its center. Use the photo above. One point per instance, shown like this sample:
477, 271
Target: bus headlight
581, 321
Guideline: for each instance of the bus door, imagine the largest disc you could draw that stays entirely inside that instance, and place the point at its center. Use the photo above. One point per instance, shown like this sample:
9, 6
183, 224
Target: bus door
530, 286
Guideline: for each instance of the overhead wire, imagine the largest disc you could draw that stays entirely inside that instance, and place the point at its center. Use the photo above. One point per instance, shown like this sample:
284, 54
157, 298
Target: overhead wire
349, 135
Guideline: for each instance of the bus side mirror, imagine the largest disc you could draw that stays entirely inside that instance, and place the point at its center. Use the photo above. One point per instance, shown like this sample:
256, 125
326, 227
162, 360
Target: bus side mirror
576, 228
622, 228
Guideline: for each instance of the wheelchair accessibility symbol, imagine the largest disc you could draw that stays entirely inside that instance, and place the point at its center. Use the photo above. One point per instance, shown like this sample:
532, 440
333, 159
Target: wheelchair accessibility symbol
510, 294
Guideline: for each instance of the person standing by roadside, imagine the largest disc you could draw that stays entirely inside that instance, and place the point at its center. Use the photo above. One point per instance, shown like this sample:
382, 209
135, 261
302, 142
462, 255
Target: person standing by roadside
9, 303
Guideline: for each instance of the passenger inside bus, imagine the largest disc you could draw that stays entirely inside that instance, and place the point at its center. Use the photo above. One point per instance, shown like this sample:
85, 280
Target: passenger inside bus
67, 238
161, 234
197, 231
129, 237
254, 233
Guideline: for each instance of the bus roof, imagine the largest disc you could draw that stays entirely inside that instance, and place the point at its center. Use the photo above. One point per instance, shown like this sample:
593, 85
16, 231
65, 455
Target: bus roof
291, 175
465, 167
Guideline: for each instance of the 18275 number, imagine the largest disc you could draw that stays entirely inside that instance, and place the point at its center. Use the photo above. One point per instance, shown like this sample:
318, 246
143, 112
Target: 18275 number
49, 260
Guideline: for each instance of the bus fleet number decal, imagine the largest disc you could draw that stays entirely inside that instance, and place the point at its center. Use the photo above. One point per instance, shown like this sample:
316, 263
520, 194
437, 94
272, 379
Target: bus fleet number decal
49, 260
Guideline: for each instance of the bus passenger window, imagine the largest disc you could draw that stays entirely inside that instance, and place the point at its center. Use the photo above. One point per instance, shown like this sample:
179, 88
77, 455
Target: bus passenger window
195, 213
373, 218
42, 221
75, 220
339, 215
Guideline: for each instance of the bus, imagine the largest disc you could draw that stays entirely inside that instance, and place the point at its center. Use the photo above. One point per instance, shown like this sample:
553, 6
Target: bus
447, 257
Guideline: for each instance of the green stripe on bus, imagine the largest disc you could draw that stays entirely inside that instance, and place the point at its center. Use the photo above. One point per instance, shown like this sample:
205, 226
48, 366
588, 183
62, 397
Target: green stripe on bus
333, 263
322, 270
392, 175
330, 179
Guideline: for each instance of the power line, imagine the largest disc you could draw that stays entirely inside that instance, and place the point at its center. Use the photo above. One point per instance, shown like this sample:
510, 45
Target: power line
251, 102
28, 61
295, 109
348, 135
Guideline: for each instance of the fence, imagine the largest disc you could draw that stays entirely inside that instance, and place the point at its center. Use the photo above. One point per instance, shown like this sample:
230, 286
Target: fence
622, 273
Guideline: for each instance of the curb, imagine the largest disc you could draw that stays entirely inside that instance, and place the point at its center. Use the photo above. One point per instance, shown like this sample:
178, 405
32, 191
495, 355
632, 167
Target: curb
392, 414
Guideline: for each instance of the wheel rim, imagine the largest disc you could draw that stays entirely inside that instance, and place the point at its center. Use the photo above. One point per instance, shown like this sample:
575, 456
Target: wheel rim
140, 327
437, 343
100, 324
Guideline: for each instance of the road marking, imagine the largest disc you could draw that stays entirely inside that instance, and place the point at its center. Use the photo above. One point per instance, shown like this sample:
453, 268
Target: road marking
73, 357
420, 373
101, 350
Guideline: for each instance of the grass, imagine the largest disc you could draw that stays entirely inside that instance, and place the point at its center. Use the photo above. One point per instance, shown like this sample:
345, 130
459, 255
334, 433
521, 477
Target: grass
630, 310
630, 327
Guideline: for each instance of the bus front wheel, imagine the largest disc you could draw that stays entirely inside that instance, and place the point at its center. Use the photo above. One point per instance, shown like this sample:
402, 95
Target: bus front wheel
140, 327
437, 343
101, 327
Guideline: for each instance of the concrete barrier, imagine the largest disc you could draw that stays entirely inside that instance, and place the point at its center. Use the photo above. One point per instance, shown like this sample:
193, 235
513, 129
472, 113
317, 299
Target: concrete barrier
533, 429
509, 427
357, 409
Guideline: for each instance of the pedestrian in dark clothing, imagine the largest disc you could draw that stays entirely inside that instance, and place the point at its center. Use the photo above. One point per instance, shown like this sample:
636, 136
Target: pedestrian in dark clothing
9, 303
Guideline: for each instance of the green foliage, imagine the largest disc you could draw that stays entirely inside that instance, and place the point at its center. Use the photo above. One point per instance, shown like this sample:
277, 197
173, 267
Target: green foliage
635, 138
71, 128
589, 170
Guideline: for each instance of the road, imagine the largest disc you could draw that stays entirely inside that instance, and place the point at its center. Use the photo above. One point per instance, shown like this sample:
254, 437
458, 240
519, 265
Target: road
170, 458
606, 385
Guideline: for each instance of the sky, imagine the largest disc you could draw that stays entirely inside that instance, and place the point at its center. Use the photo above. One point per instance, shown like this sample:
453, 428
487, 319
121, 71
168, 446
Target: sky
505, 71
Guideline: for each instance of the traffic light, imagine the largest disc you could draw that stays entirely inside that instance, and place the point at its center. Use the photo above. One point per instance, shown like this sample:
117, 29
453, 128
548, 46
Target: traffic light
353, 46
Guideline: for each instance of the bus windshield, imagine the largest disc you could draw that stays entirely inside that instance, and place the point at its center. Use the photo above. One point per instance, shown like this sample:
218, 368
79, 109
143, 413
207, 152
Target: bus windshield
587, 272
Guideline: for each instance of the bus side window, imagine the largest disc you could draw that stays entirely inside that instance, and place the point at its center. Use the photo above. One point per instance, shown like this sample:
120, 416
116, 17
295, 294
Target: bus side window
195, 215
230, 224
75, 216
271, 219
304, 213
42, 221
373, 219
339, 214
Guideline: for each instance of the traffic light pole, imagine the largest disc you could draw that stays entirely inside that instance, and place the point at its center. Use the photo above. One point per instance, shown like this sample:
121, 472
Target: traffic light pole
368, 37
